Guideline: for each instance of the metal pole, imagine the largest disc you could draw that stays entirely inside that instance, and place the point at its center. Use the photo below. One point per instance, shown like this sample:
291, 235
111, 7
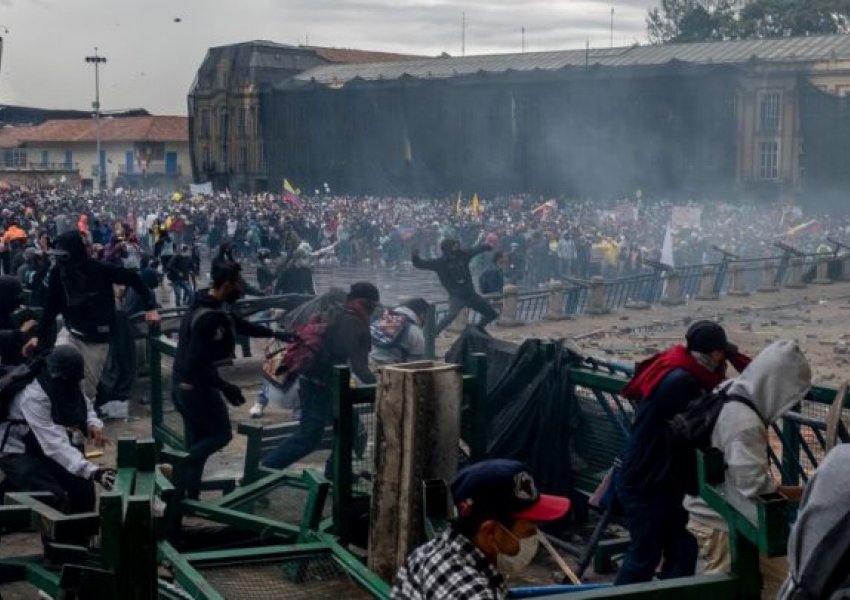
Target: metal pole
97, 60
612, 26
463, 35
523, 40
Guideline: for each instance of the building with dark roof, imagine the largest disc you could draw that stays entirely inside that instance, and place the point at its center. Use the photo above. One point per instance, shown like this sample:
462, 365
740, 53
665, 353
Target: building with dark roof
715, 119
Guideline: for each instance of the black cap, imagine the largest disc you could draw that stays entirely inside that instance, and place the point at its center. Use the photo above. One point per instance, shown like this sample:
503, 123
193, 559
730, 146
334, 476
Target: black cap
65, 362
502, 489
708, 336
364, 290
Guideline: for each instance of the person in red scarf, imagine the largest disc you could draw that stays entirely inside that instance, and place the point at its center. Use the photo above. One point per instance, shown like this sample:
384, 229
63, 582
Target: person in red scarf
651, 482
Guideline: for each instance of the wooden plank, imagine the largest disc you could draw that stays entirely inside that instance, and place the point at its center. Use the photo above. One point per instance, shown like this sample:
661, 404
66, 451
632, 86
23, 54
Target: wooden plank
833, 418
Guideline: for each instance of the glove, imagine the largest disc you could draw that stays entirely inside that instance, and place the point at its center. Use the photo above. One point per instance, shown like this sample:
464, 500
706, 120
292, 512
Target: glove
285, 336
233, 395
105, 477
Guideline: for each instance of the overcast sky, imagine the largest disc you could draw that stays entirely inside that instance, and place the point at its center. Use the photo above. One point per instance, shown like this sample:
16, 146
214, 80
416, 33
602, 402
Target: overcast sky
152, 59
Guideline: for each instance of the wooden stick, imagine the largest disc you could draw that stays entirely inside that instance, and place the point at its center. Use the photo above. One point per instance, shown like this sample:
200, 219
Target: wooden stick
557, 557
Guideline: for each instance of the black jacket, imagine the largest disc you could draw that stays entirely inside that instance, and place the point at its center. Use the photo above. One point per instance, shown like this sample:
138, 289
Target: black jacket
208, 340
453, 269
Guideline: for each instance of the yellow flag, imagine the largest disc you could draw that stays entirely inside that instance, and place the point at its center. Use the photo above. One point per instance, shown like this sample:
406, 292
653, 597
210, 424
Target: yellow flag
287, 187
475, 204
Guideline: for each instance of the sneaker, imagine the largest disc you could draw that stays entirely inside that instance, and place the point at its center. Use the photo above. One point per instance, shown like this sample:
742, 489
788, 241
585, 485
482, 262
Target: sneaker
116, 409
257, 411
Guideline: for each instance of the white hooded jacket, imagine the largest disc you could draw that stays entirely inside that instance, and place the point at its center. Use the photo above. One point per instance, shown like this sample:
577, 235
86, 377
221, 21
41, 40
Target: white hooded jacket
774, 382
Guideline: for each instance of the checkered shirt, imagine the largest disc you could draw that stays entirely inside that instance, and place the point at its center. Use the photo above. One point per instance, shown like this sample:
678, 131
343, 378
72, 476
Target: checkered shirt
449, 566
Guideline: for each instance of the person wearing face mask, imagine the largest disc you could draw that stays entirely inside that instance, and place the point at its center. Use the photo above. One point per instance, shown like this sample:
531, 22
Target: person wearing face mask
12, 335
346, 340
207, 340
651, 483
452, 269
493, 536
82, 291
38, 452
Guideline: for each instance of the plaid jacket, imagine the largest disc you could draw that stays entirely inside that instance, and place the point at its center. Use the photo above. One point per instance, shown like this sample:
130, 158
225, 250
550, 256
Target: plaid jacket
449, 566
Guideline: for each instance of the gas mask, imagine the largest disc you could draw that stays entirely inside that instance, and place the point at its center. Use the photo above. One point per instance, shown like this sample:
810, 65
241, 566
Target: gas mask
513, 565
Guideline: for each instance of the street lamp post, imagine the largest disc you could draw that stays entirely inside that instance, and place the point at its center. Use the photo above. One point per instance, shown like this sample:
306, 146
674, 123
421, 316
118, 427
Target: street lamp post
97, 60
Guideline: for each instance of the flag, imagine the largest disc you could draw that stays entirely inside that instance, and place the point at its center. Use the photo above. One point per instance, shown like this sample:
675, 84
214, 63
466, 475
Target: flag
548, 205
667, 248
459, 206
290, 193
475, 204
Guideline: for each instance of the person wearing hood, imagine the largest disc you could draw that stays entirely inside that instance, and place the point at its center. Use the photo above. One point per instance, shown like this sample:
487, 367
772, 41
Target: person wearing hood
39, 451
819, 542
33, 273
13, 335
81, 290
296, 276
397, 337
452, 269
207, 340
774, 382
651, 482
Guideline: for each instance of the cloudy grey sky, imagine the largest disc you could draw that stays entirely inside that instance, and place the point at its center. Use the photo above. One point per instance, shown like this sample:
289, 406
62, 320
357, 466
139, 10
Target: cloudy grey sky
152, 59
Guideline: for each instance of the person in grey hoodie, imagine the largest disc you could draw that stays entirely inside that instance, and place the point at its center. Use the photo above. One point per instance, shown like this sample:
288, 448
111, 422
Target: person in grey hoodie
773, 383
817, 549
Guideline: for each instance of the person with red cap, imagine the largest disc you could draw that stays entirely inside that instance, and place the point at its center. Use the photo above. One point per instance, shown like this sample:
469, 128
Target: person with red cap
652, 481
493, 535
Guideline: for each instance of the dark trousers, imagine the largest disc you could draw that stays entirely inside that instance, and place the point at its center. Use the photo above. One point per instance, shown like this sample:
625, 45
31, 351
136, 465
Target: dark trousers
657, 526
316, 413
207, 427
32, 473
473, 301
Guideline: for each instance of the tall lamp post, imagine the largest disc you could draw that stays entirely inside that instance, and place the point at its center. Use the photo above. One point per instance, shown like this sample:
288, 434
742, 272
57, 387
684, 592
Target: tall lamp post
96, 60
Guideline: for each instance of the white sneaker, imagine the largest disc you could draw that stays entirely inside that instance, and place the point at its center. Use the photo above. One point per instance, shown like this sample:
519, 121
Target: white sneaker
115, 409
257, 411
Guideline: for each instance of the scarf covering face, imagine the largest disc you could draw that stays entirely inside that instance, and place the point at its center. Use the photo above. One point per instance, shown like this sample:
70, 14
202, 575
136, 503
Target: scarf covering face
652, 371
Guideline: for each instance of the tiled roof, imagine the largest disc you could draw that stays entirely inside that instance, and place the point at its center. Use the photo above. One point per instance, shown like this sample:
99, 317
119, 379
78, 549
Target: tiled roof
129, 129
785, 50
351, 56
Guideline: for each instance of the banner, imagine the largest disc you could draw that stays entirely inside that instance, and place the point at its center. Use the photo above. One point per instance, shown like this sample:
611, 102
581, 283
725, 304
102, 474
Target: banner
686, 217
201, 188
476, 206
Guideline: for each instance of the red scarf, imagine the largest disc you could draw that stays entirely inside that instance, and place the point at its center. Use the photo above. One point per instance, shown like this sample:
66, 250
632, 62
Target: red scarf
650, 372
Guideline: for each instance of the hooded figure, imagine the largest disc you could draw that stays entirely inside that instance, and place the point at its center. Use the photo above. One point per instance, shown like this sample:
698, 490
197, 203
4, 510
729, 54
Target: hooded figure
12, 338
776, 380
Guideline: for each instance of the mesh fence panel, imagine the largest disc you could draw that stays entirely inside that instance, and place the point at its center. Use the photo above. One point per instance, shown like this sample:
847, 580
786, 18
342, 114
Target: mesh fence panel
598, 440
285, 503
363, 458
170, 417
311, 578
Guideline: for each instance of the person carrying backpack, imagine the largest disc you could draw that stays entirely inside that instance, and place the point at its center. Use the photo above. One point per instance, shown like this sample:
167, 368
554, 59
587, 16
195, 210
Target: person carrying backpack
397, 337
208, 339
344, 339
777, 379
650, 485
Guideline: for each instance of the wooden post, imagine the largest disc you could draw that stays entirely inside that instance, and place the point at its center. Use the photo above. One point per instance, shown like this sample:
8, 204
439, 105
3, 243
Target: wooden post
596, 301
510, 305
417, 435
672, 290
795, 275
555, 311
706, 285
768, 278
739, 283
822, 272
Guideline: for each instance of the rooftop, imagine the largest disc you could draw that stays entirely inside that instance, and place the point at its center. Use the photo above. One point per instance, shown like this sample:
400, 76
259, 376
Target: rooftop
128, 129
785, 50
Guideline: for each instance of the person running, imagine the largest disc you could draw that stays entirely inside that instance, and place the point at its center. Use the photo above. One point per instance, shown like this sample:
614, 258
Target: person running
452, 268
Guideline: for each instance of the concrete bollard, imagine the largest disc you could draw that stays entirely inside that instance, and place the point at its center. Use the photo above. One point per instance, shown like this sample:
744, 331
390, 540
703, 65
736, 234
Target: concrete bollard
822, 271
795, 274
555, 311
672, 290
706, 285
845, 267
596, 297
460, 322
416, 439
510, 306
738, 286
768, 278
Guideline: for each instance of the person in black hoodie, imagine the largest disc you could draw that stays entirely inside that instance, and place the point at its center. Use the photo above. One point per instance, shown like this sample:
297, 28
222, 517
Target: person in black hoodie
207, 339
452, 269
13, 336
81, 290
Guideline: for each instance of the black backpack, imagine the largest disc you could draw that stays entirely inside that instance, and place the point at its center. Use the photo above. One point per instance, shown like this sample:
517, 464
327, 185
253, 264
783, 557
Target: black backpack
691, 430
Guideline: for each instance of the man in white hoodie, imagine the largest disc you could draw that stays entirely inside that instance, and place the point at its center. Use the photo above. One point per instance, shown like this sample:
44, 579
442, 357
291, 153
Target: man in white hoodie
773, 383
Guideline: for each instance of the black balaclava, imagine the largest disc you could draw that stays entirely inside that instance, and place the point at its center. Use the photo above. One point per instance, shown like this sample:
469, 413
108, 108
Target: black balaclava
71, 257
60, 378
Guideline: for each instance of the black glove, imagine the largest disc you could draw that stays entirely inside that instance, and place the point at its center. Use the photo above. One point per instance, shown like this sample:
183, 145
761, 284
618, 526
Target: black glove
233, 395
285, 336
105, 477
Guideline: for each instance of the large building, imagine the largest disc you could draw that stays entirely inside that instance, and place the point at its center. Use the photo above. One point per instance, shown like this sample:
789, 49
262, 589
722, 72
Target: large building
766, 118
147, 151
